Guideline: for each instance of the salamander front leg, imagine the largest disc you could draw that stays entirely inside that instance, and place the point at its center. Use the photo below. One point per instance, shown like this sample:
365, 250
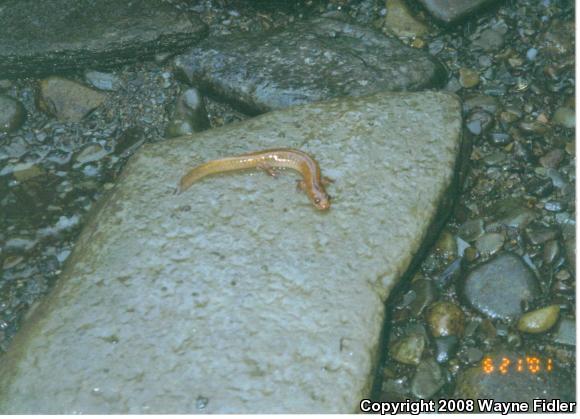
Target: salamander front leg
268, 169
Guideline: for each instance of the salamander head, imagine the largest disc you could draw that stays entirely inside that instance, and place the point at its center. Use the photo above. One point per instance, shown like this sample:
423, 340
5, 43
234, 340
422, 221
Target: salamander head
321, 200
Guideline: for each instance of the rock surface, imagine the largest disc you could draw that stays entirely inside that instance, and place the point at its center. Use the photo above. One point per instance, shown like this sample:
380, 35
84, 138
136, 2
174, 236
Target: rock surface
69, 101
64, 35
451, 11
237, 296
498, 288
309, 61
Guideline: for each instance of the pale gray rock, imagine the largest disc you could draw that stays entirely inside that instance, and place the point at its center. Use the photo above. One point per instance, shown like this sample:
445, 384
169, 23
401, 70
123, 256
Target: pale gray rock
238, 296
309, 61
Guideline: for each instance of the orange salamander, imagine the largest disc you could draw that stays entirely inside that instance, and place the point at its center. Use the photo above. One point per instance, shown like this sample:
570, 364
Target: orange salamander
312, 182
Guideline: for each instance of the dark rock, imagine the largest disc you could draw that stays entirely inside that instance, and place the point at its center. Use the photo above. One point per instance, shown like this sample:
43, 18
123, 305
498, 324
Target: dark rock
498, 288
451, 11
565, 333
189, 116
306, 62
428, 379
540, 187
513, 212
471, 230
445, 348
489, 40
524, 386
425, 294
539, 233
569, 234
52, 36
12, 114
67, 100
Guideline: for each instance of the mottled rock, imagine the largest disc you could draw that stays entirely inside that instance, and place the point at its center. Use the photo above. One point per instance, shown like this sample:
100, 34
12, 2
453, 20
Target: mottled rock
308, 61
451, 11
12, 114
540, 320
62, 35
445, 319
166, 297
498, 288
67, 100
523, 386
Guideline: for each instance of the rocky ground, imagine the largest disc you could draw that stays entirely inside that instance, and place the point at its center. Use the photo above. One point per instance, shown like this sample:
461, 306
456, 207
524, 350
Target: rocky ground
499, 284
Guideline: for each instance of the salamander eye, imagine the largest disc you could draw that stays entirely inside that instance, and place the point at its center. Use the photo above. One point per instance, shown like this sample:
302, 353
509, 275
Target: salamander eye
317, 200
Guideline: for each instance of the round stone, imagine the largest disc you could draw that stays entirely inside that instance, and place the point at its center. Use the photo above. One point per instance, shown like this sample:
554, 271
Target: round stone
445, 319
498, 288
11, 114
539, 321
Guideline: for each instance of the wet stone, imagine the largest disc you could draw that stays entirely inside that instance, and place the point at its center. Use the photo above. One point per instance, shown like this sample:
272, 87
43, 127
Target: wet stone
445, 348
552, 159
540, 187
551, 251
538, 233
12, 114
540, 320
498, 288
90, 153
565, 333
409, 349
471, 230
513, 212
478, 122
451, 11
483, 102
308, 61
445, 319
64, 35
67, 100
489, 40
428, 379
490, 243
523, 386
401, 22
565, 117
468, 78
189, 116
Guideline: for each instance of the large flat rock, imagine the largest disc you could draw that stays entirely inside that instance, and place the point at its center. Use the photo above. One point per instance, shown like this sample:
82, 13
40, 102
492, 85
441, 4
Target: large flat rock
237, 296
309, 61
51, 36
